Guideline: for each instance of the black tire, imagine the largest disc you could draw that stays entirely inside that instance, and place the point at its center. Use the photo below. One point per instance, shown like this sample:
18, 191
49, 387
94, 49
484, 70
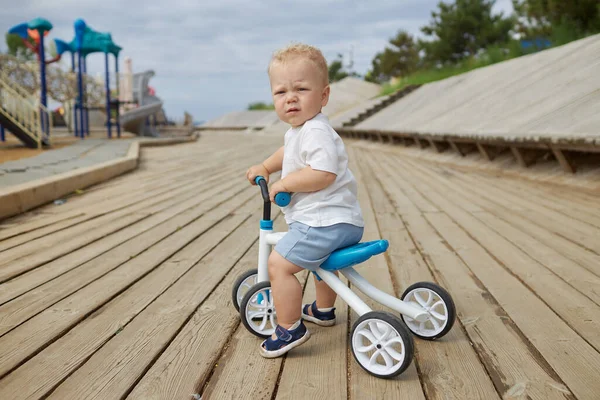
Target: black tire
251, 326
236, 286
402, 332
446, 298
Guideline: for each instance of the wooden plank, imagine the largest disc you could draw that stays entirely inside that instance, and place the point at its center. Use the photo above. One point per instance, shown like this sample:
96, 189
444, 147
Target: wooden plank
105, 208
361, 385
581, 313
8, 231
46, 230
459, 148
85, 235
406, 203
454, 352
160, 213
568, 354
42, 329
318, 369
51, 366
190, 359
533, 194
509, 359
438, 146
576, 276
96, 210
130, 192
259, 381
580, 233
523, 159
544, 195
564, 160
115, 368
487, 155
131, 188
45, 249
567, 248
76, 276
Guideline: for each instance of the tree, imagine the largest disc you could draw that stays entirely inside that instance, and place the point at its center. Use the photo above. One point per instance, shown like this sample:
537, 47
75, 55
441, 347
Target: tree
461, 29
260, 106
545, 17
17, 49
399, 59
336, 70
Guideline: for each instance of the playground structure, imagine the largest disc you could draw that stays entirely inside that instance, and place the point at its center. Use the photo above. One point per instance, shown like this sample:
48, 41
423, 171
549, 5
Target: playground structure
21, 82
30, 124
86, 42
141, 120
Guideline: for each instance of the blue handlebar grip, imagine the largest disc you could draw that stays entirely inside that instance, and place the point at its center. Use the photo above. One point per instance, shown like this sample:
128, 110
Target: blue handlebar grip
258, 179
282, 199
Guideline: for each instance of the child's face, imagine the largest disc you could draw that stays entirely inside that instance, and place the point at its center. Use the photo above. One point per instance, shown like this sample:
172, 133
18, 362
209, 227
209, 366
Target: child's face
298, 90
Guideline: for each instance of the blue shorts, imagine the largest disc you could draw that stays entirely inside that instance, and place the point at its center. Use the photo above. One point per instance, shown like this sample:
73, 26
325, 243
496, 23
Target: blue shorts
309, 247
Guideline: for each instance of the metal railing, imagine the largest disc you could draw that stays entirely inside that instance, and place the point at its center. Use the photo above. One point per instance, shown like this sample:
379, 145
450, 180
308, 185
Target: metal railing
15, 105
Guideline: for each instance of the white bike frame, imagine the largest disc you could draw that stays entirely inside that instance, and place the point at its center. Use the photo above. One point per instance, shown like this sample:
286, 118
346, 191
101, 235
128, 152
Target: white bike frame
268, 239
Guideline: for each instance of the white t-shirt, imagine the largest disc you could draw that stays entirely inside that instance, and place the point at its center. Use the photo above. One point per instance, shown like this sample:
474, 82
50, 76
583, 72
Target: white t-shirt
317, 144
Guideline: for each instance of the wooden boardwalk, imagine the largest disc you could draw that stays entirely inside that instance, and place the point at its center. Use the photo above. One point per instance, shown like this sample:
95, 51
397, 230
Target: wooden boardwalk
124, 290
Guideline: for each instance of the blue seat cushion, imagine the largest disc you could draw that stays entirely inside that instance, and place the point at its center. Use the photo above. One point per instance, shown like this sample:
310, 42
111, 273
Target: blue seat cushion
355, 254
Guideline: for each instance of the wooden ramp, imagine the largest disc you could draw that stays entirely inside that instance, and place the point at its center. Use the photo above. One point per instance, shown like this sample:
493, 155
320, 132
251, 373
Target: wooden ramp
124, 290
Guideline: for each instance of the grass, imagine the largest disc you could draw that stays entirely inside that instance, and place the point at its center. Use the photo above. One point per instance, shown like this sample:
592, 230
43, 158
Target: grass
562, 34
491, 56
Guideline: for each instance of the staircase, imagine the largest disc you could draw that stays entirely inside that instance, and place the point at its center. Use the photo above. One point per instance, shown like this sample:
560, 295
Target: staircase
22, 118
385, 101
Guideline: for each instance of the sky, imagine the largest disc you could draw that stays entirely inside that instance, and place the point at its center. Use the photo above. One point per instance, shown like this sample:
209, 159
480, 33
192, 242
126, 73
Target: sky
210, 57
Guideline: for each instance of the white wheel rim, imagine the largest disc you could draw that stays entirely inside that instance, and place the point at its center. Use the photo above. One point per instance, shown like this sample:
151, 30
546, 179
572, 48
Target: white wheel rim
435, 306
244, 287
260, 312
378, 347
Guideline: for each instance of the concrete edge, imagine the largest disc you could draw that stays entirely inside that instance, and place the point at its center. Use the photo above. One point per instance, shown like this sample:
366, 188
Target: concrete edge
168, 141
24, 197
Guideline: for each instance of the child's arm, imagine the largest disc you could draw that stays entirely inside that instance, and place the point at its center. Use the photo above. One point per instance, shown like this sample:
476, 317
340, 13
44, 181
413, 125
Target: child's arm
320, 154
271, 165
304, 180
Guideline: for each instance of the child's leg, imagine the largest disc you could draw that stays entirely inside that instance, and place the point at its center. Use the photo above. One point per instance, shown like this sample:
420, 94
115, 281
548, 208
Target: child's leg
287, 291
325, 295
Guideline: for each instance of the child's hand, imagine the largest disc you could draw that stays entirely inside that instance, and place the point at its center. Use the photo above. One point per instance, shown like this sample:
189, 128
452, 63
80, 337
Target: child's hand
276, 188
257, 170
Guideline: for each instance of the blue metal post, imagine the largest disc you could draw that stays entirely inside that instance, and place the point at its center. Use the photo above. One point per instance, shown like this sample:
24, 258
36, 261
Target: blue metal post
45, 124
118, 115
108, 124
80, 97
80, 26
2, 134
85, 98
75, 124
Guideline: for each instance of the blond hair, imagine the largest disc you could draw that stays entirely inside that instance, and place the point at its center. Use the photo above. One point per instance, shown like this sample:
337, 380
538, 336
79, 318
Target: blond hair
301, 50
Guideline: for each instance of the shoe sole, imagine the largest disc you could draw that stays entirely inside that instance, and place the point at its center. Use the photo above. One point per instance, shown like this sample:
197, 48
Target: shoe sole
280, 352
310, 318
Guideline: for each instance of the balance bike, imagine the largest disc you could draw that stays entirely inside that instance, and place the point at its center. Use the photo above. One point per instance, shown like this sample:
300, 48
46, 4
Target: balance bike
380, 341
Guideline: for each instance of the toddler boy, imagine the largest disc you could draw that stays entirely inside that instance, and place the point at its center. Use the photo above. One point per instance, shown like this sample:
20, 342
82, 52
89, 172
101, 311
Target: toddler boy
324, 214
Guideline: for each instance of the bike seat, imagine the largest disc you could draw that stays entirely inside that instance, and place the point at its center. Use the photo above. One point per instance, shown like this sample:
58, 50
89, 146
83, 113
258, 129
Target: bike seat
355, 254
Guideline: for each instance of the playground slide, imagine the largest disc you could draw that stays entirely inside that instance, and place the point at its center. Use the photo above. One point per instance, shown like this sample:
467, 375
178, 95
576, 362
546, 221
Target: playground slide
28, 140
136, 120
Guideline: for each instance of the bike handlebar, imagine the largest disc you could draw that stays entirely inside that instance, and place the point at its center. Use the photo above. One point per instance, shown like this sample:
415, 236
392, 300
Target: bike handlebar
282, 199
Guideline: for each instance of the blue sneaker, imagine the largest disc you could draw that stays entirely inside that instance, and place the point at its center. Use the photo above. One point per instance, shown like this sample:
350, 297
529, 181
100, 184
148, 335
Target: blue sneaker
286, 340
326, 318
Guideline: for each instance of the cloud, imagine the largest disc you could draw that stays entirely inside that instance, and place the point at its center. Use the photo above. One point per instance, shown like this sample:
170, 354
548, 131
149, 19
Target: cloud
210, 57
